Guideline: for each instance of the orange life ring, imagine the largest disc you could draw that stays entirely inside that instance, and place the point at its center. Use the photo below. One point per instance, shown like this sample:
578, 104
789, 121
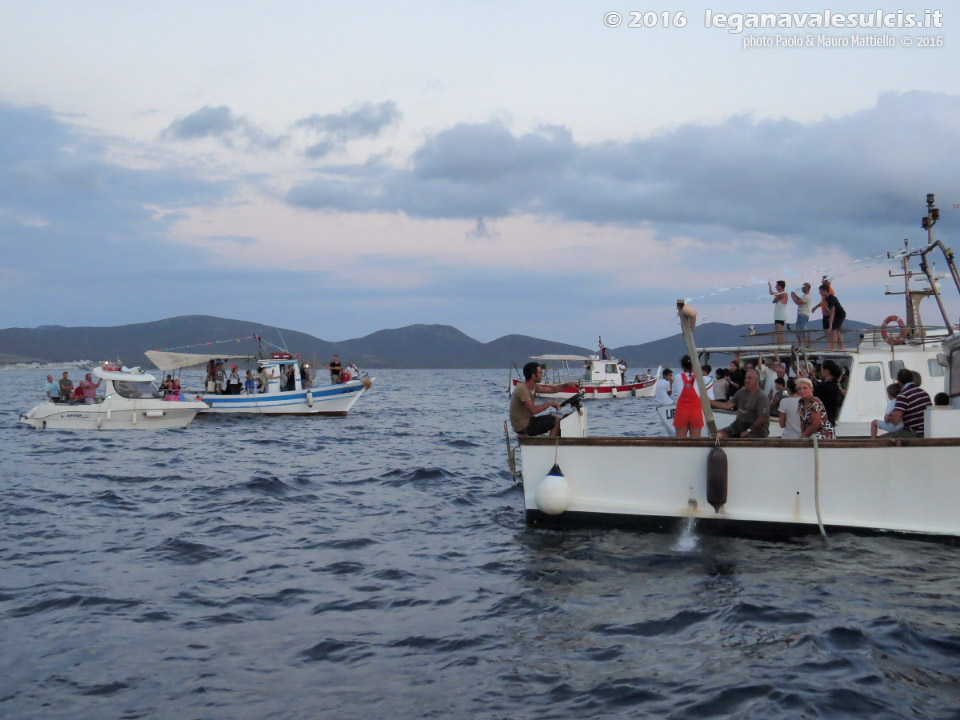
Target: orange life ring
898, 340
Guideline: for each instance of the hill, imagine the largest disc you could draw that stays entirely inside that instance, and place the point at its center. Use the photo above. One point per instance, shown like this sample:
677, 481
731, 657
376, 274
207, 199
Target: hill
413, 346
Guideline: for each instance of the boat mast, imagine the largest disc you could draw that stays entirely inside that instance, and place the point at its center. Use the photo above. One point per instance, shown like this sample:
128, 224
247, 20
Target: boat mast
915, 297
933, 214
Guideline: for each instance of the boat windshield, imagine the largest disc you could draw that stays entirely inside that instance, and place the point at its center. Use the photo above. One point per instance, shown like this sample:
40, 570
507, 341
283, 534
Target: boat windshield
134, 390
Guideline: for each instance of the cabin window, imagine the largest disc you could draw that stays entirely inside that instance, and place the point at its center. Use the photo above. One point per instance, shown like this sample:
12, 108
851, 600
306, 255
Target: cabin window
611, 369
935, 368
136, 390
871, 373
895, 367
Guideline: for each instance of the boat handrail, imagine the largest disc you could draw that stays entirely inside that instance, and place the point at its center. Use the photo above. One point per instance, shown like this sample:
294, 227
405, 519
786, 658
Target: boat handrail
921, 336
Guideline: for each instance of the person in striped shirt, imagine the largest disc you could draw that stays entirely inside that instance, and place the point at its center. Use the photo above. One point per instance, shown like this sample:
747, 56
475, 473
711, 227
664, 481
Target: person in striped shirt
909, 407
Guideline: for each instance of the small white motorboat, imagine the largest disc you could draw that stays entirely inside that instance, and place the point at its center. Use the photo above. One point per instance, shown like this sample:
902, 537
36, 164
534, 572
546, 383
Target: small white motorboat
131, 401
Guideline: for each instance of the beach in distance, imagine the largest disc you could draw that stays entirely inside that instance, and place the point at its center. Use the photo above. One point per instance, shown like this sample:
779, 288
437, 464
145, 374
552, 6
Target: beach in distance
380, 565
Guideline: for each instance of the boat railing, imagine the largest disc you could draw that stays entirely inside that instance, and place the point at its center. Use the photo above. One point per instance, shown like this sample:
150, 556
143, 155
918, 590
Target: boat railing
815, 339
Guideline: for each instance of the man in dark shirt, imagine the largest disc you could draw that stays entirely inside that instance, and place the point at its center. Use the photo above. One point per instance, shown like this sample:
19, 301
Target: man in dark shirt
828, 390
909, 407
334, 368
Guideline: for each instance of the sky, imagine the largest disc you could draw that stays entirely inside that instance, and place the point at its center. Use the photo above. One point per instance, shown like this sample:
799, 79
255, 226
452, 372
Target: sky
539, 168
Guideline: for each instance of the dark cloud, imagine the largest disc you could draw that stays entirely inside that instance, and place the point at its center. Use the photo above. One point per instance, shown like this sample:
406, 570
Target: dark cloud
69, 214
836, 181
482, 232
222, 124
326, 133
335, 130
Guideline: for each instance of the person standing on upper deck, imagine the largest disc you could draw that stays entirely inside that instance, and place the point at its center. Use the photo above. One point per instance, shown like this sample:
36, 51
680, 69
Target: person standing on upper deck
779, 308
803, 302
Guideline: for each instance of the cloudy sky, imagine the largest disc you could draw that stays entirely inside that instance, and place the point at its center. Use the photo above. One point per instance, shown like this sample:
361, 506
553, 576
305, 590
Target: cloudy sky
340, 168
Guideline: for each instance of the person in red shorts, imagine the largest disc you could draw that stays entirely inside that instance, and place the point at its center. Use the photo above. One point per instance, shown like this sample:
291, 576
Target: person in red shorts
688, 417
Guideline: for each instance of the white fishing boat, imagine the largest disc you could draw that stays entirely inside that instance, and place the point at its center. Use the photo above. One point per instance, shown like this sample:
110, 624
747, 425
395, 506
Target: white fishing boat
763, 486
600, 379
281, 397
130, 401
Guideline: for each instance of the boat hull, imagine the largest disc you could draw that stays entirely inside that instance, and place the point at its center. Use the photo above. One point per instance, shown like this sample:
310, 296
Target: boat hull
870, 485
138, 415
321, 400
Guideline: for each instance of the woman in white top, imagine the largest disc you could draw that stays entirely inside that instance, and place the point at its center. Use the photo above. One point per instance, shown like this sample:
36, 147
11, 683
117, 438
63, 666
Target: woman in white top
779, 307
789, 414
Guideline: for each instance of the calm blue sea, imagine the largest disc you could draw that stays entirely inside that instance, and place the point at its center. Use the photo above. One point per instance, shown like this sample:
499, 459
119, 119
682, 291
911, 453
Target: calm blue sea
379, 566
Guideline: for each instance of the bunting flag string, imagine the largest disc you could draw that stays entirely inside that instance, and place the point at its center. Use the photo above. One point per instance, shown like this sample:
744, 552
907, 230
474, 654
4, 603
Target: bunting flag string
221, 342
848, 268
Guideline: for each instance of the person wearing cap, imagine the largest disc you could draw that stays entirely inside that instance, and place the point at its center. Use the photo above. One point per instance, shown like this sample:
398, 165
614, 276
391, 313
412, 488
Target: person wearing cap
803, 302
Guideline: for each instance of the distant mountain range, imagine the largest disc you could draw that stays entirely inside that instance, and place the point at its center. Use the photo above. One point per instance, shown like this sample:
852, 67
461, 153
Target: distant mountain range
413, 346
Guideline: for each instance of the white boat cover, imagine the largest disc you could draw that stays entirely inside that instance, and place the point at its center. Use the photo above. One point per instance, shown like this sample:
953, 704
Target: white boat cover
174, 361
563, 357
127, 374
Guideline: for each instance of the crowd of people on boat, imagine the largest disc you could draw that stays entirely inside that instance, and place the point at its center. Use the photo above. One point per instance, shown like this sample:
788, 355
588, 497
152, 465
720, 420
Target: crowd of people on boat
804, 397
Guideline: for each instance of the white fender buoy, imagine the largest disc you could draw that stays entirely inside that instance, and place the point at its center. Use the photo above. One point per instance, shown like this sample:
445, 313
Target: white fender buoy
553, 493
135, 413
310, 398
99, 422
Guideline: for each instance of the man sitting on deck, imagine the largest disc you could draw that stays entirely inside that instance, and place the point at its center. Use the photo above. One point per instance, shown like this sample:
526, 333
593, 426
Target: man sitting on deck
522, 410
908, 408
753, 410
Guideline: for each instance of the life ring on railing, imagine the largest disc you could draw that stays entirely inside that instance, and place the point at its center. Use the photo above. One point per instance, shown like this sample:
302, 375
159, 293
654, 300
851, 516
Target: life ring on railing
898, 340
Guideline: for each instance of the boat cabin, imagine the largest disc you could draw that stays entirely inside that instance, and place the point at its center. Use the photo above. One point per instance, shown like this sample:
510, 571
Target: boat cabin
276, 368
596, 370
131, 383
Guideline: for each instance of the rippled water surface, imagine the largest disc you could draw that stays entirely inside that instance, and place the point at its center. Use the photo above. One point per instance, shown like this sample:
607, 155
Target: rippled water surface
379, 566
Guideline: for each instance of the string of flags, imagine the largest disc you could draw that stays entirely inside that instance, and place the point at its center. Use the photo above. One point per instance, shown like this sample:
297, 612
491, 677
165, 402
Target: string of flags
789, 273
221, 342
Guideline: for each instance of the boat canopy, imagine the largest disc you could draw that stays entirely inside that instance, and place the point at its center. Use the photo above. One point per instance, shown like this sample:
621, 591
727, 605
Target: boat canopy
125, 374
174, 361
583, 358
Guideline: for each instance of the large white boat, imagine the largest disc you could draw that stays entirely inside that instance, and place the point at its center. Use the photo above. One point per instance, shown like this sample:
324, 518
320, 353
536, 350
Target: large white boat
130, 401
280, 398
600, 379
769, 486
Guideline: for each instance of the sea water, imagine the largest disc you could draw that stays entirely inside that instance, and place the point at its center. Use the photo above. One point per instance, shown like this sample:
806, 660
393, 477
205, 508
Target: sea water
379, 566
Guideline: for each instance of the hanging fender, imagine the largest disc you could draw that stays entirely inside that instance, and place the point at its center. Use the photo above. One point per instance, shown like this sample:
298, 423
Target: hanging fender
717, 477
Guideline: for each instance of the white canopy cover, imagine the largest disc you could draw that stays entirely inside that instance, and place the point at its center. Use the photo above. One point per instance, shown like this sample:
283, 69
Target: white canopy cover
174, 361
